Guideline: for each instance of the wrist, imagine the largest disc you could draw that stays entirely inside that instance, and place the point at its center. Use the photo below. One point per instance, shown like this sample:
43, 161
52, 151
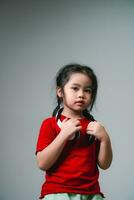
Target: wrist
63, 135
105, 139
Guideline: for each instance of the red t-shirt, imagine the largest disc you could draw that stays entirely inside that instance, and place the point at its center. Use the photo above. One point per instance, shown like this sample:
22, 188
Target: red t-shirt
76, 169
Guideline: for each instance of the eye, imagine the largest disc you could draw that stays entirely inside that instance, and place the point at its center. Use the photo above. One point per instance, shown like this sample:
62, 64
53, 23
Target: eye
89, 90
75, 88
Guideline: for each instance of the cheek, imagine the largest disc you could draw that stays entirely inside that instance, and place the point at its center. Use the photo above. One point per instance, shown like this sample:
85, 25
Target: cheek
68, 94
89, 96
90, 99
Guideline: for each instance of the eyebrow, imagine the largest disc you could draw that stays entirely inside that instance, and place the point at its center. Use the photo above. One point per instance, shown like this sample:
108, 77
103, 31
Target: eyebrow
76, 84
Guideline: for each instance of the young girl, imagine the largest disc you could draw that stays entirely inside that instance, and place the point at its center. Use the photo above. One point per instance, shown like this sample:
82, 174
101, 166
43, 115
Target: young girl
71, 144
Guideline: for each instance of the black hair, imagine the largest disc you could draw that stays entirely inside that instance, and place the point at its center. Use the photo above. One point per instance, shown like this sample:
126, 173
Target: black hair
63, 77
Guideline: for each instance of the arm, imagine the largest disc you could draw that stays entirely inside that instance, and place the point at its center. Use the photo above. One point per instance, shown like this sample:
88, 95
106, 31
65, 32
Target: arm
48, 156
105, 154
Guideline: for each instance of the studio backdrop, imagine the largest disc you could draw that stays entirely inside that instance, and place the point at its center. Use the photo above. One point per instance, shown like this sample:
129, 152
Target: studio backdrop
36, 39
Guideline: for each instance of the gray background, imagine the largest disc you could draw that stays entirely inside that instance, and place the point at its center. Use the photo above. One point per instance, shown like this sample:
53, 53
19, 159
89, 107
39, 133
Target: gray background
36, 39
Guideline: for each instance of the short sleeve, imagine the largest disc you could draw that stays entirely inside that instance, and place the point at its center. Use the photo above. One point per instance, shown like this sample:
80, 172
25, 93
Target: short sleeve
46, 134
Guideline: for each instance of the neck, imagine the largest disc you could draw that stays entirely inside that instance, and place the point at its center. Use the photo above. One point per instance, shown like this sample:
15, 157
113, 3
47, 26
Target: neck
72, 114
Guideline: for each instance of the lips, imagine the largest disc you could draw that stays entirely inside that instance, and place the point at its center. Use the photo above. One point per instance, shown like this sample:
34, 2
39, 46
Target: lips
79, 102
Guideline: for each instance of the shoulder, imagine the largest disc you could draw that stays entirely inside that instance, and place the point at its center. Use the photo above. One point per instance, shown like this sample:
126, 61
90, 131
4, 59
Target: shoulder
47, 126
48, 121
46, 133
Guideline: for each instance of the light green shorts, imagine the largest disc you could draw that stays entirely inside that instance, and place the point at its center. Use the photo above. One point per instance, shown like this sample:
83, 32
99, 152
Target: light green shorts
66, 196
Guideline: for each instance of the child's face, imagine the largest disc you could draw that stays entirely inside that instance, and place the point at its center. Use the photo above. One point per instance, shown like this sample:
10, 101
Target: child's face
77, 93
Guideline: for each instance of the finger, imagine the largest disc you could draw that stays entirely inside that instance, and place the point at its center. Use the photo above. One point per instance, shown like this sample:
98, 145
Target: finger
78, 128
77, 123
90, 133
65, 120
91, 127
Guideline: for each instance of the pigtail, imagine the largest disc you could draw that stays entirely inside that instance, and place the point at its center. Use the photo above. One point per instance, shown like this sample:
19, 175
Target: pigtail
55, 111
91, 118
87, 114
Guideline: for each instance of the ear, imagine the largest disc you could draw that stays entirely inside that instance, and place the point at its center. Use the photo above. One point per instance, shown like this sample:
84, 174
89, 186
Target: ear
59, 92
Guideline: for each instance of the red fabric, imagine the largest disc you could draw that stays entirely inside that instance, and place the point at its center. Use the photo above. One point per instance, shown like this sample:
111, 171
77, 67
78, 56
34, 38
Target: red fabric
76, 169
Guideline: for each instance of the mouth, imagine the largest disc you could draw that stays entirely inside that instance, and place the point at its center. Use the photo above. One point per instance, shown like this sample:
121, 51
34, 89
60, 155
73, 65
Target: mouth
80, 103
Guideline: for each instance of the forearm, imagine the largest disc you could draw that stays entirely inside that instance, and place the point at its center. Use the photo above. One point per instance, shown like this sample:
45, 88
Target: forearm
48, 156
105, 154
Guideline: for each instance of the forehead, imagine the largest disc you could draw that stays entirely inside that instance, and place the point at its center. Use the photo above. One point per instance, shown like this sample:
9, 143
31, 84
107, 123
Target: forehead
80, 78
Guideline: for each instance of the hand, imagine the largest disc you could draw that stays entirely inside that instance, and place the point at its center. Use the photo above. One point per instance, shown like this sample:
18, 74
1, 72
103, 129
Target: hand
97, 130
69, 127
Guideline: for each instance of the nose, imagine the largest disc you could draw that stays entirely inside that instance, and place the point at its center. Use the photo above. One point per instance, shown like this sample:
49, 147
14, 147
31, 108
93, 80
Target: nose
81, 94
